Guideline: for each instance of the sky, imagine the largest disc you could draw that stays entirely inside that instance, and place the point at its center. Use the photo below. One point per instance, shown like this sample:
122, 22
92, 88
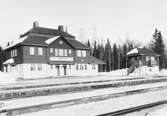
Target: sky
86, 19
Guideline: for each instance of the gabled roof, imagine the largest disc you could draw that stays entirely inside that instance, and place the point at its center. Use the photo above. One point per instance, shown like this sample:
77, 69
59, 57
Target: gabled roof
35, 40
45, 41
29, 40
48, 31
141, 51
50, 40
76, 44
44, 36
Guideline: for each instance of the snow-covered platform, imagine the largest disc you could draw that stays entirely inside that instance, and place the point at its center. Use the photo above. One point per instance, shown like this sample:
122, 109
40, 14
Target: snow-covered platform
88, 108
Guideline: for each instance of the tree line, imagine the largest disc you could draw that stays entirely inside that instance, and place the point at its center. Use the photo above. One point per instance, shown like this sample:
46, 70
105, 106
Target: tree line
115, 55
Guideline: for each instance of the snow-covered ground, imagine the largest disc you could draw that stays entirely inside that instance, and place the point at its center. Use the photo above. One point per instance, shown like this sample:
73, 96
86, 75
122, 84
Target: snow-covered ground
22, 102
123, 73
101, 107
6, 78
159, 112
117, 74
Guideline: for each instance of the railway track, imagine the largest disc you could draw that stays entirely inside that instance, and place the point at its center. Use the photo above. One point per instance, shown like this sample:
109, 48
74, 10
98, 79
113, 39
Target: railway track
6, 94
134, 109
39, 107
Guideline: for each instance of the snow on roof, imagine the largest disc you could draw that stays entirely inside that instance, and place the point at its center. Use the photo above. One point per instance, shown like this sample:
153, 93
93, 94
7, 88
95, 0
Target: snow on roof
9, 61
133, 51
15, 42
50, 40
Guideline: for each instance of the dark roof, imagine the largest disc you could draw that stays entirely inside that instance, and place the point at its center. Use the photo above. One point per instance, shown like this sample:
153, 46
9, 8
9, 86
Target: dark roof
76, 44
36, 40
93, 60
48, 31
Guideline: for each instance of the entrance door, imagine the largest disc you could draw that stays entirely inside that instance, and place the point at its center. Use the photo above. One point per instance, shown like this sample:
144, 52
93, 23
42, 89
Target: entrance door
65, 70
58, 70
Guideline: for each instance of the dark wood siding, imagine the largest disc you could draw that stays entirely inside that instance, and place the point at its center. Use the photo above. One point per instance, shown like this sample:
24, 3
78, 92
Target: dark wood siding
17, 59
83, 60
27, 58
60, 44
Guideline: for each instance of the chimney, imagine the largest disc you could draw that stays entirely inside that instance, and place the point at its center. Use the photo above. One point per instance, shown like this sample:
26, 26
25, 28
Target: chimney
60, 28
35, 24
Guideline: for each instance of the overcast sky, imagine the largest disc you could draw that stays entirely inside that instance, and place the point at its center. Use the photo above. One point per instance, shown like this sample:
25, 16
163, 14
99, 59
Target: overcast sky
114, 19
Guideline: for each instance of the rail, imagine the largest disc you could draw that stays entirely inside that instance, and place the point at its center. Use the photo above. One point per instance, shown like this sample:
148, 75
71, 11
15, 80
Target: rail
40, 107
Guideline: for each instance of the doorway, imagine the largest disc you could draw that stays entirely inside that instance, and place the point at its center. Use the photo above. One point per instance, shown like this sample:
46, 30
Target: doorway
65, 70
58, 70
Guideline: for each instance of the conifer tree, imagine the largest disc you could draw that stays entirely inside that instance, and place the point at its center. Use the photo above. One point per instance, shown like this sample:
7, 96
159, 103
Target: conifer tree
157, 45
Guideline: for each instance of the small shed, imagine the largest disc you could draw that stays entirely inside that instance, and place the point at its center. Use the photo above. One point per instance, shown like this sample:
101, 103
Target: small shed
143, 58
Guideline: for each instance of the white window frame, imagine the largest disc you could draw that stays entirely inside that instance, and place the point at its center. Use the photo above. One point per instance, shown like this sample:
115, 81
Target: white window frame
32, 50
69, 51
56, 52
83, 53
40, 51
61, 52
51, 50
79, 53
65, 52
15, 52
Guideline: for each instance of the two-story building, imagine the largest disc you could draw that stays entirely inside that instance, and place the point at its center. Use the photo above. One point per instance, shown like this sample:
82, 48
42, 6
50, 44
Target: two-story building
44, 52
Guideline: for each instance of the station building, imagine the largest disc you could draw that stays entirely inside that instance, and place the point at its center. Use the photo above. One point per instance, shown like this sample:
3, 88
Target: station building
45, 52
142, 62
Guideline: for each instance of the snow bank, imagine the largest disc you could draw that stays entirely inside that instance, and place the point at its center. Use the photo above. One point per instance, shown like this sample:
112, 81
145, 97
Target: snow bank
163, 72
120, 72
6, 78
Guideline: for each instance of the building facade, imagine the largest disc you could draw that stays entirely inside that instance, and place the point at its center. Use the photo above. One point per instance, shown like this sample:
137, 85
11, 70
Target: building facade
44, 52
142, 62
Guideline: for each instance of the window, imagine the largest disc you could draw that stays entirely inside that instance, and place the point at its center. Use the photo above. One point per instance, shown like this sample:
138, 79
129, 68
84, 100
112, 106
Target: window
15, 52
39, 67
32, 51
152, 58
11, 53
77, 67
32, 67
83, 53
51, 50
147, 58
65, 52
70, 66
69, 51
60, 52
93, 67
40, 51
79, 53
56, 52
81, 67
85, 67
